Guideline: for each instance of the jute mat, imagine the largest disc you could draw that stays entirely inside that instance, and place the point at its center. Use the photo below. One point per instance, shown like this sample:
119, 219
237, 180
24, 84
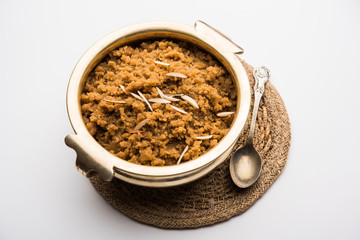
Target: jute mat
213, 198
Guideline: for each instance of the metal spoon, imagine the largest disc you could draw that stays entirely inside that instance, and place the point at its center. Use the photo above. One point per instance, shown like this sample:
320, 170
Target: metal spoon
245, 164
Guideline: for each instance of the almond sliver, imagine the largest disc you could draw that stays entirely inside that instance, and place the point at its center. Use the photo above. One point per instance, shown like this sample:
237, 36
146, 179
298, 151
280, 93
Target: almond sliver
178, 109
113, 101
172, 99
204, 137
182, 154
159, 100
123, 88
162, 95
145, 100
190, 100
141, 124
162, 63
136, 96
224, 114
174, 74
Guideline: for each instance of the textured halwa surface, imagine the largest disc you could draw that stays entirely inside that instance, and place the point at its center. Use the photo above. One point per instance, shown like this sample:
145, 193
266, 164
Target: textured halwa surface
167, 133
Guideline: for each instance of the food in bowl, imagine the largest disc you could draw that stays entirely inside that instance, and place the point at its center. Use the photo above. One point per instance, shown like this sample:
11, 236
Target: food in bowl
158, 103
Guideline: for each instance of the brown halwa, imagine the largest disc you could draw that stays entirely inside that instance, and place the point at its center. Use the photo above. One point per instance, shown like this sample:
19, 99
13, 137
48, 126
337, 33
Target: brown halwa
167, 132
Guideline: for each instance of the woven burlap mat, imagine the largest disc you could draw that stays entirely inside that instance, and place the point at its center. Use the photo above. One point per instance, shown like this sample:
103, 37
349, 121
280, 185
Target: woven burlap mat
213, 198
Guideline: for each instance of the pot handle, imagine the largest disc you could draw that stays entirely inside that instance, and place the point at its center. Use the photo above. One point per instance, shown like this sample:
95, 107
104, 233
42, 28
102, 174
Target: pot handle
201, 24
85, 162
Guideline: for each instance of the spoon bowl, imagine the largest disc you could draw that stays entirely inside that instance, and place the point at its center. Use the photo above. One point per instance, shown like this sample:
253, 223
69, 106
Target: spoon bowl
245, 166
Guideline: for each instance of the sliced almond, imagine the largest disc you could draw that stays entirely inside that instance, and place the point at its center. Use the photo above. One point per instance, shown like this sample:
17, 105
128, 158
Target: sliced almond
123, 88
178, 109
141, 124
113, 101
145, 100
162, 95
174, 74
182, 154
224, 114
204, 137
162, 63
190, 100
172, 99
136, 96
159, 100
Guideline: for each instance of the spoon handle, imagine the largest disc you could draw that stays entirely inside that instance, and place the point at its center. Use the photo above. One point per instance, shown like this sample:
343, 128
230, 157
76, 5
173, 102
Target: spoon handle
261, 75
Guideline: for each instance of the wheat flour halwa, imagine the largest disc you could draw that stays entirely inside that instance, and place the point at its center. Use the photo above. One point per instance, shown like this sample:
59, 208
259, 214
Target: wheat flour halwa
158, 103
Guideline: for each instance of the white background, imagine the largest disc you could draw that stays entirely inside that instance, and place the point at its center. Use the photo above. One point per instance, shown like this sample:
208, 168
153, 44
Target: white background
312, 49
